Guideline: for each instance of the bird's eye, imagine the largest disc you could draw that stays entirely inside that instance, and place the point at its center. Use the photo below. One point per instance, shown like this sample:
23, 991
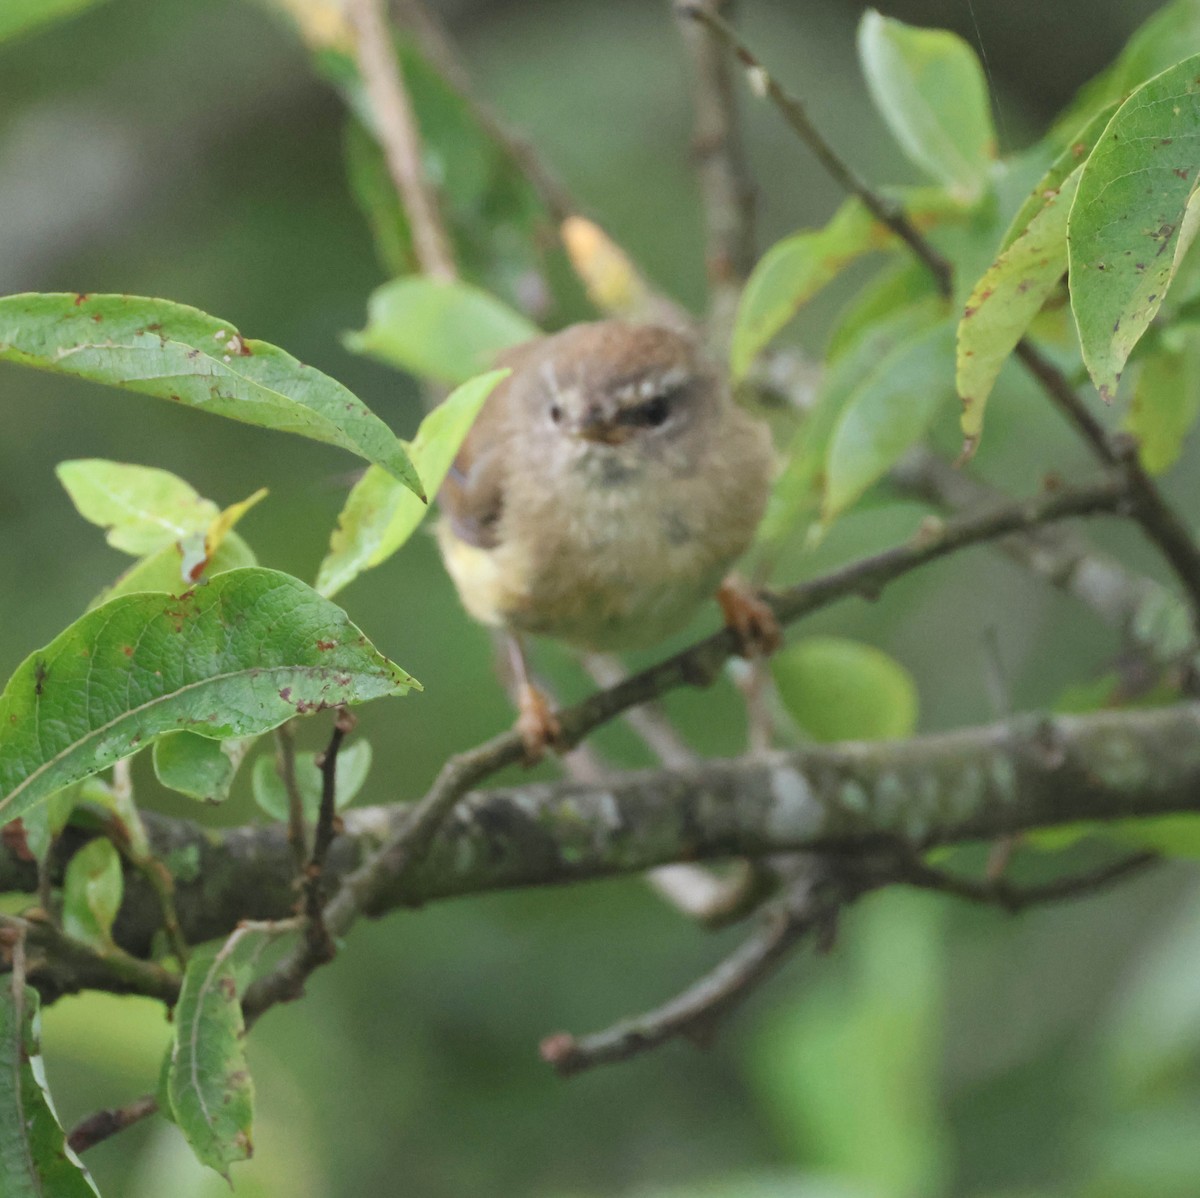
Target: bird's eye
654, 412
556, 413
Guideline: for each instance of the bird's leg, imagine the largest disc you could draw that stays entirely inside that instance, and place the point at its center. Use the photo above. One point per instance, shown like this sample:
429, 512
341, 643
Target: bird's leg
750, 617
537, 724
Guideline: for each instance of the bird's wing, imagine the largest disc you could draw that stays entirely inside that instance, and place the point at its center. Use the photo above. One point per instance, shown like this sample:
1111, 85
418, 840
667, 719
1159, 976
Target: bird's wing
473, 493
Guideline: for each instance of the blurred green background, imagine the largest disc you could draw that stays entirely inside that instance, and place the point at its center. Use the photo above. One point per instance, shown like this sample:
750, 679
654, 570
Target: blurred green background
184, 149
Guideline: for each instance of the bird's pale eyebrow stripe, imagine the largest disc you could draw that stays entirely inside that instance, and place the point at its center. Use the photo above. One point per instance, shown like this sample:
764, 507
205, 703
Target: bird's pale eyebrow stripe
651, 386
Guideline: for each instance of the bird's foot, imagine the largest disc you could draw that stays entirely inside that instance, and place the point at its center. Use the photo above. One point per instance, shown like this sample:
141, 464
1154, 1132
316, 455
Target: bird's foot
537, 725
751, 618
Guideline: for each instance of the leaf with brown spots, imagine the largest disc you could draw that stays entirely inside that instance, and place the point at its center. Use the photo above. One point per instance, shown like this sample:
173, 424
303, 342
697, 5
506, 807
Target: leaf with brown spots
208, 1084
1005, 301
1132, 220
35, 1159
175, 352
793, 270
216, 661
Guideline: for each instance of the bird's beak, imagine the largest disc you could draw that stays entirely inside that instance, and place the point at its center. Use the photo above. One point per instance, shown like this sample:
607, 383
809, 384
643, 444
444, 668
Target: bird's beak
599, 429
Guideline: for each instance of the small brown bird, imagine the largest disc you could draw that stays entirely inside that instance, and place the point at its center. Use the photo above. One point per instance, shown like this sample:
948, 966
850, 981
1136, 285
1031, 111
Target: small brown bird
603, 493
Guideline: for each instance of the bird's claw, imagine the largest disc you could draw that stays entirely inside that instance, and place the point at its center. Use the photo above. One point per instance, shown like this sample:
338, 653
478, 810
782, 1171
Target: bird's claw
537, 725
751, 617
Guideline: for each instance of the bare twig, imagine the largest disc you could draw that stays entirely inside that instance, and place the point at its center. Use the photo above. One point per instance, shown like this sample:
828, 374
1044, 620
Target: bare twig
285, 766
1158, 519
438, 47
319, 943
725, 183
150, 867
58, 964
886, 211
696, 1013
1121, 598
396, 128
996, 891
695, 891
98, 1126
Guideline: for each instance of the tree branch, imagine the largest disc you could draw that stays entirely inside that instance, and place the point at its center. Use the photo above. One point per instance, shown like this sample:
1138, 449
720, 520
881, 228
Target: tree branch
396, 129
1158, 519
1145, 613
695, 1014
974, 784
725, 185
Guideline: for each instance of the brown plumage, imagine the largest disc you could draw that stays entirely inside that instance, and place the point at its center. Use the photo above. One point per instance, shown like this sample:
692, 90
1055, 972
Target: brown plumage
606, 488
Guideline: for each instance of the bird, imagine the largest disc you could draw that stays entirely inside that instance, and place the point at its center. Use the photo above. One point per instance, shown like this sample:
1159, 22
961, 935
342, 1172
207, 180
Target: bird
602, 495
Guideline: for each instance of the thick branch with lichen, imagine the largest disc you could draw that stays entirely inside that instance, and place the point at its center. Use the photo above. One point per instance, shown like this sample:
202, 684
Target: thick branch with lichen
973, 784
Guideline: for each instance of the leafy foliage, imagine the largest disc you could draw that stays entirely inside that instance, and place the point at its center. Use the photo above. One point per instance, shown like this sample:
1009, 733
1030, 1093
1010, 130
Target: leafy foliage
35, 1161
1132, 219
208, 1083
929, 87
237, 657
447, 331
379, 516
184, 355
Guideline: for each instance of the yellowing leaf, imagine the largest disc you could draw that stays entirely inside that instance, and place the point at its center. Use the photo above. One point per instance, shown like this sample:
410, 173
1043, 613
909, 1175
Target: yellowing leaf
1128, 226
609, 277
1005, 301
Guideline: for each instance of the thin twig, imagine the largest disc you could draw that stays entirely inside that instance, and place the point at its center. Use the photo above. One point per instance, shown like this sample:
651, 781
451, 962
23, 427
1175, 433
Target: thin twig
399, 138
699, 665
78, 966
320, 943
886, 211
157, 875
696, 1013
725, 184
1064, 559
285, 766
1159, 520
439, 48
696, 666
99, 1125
998, 892
649, 722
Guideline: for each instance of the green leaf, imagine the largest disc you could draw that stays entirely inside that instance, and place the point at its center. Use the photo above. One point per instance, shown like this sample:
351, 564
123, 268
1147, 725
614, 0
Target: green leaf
1074, 156
208, 1084
24, 16
234, 658
353, 765
163, 571
142, 508
1006, 299
838, 689
886, 414
35, 1159
1166, 401
198, 766
905, 282
1172, 33
92, 891
117, 802
796, 494
43, 824
1127, 228
448, 331
930, 89
375, 194
791, 272
182, 354
379, 517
